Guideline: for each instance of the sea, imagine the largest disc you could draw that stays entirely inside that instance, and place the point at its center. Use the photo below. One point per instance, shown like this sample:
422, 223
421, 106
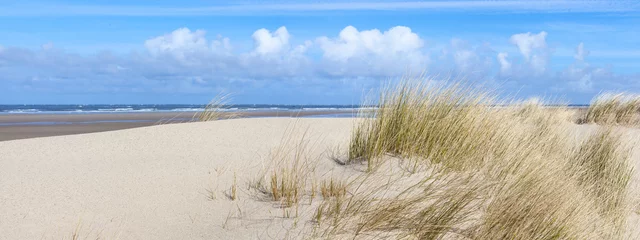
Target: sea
349, 110
141, 108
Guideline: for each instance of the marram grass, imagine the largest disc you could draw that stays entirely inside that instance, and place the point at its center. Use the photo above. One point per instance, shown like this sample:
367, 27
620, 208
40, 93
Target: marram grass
487, 172
614, 109
213, 110
437, 122
449, 161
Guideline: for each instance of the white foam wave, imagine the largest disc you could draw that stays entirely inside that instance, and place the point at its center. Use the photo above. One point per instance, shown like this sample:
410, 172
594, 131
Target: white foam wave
22, 111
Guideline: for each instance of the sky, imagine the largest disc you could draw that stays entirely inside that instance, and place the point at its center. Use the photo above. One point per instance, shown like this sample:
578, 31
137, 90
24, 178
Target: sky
311, 52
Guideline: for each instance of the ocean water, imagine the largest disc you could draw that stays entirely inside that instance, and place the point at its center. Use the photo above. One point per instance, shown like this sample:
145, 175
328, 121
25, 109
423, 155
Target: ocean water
137, 108
69, 123
350, 110
133, 108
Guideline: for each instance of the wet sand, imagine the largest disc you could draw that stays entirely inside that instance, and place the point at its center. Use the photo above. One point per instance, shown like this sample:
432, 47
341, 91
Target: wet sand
22, 126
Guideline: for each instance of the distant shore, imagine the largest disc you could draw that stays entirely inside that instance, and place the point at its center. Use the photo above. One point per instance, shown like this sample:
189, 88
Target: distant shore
29, 125
22, 126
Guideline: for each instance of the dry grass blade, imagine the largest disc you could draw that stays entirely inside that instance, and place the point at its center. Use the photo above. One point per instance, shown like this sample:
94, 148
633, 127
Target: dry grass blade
212, 111
333, 188
529, 180
610, 109
434, 121
433, 207
539, 205
538, 111
290, 170
602, 167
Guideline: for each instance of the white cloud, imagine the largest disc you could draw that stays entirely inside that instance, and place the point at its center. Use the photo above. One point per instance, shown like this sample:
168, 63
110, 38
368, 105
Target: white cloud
353, 43
581, 53
300, 49
583, 78
464, 58
539, 63
533, 48
528, 42
267, 43
178, 42
584, 84
372, 52
505, 65
221, 44
468, 58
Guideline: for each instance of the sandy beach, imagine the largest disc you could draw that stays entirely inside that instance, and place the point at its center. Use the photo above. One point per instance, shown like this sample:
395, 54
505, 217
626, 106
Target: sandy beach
359, 120
144, 183
164, 182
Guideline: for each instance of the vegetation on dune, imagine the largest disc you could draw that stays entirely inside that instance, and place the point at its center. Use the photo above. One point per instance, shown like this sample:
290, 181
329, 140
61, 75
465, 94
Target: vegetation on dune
438, 122
333, 188
525, 176
289, 172
605, 172
441, 161
620, 109
213, 110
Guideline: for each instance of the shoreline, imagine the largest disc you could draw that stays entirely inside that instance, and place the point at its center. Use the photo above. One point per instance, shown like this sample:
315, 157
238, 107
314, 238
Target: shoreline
28, 125
24, 126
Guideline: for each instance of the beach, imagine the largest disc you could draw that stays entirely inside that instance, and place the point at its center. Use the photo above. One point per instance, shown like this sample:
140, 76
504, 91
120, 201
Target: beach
429, 120
148, 182
173, 181
21, 126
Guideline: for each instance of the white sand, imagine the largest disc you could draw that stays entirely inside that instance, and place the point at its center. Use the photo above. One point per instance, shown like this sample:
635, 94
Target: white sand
145, 183
154, 182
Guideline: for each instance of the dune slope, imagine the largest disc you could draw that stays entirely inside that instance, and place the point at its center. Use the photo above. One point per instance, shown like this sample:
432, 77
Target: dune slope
145, 183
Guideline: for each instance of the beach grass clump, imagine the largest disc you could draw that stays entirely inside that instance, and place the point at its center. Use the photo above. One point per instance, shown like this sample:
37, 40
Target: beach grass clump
289, 171
286, 186
432, 207
477, 170
529, 107
530, 180
535, 201
440, 123
539, 111
213, 110
602, 167
614, 109
539, 205
333, 188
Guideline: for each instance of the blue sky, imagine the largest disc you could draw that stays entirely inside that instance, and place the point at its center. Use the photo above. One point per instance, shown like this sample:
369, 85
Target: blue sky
310, 52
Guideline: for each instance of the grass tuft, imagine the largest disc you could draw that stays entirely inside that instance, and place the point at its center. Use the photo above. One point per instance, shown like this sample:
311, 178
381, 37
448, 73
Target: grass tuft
449, 161
433, 121
290, 170
333, 188
212, 111
601, 165
614, 109
488, 172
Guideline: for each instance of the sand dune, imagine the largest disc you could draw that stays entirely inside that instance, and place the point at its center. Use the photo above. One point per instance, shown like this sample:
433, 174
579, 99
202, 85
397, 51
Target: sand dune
164, 182
144, 183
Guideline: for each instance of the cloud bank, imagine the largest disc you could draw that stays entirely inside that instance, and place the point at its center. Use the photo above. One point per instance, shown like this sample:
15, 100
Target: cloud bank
191, 61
